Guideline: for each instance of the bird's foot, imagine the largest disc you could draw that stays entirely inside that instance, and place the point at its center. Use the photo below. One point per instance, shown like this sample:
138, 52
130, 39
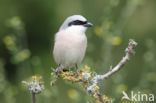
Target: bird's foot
58, 71
77, 70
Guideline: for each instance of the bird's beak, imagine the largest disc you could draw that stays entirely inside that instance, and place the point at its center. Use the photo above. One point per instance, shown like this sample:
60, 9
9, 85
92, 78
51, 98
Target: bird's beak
88, 24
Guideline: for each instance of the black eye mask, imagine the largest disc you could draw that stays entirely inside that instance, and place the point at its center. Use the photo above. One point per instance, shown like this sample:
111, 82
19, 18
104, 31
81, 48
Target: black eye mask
77, 22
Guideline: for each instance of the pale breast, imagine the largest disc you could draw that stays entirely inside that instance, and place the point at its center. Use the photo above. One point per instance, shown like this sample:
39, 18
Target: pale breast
69, 48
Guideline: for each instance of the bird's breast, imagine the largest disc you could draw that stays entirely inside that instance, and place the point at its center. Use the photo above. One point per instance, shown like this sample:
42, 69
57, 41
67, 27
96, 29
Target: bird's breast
71, 40
69, 48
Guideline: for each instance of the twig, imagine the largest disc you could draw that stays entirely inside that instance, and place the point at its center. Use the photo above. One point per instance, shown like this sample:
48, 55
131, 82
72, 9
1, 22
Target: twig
33, 97
95, 80
35, 86
129, 52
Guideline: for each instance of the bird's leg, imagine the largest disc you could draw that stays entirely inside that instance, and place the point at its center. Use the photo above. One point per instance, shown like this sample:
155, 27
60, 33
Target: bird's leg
77, 68
58, 70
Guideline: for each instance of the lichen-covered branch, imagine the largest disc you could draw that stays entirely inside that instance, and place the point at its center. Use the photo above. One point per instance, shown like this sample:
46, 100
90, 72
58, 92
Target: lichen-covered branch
89, 80
129, 52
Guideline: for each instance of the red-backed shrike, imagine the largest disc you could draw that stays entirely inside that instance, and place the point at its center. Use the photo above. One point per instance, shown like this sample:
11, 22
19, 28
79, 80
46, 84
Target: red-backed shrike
71, 41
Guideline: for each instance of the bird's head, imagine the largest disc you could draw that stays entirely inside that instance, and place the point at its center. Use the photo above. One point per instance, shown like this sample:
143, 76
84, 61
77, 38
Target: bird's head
76, 23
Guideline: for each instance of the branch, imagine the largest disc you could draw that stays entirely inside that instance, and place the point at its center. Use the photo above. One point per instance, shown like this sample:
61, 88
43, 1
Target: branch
90, 80
129, 52
33, 98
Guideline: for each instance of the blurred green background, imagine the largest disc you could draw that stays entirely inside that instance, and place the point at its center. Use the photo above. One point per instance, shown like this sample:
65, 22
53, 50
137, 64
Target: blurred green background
27, 29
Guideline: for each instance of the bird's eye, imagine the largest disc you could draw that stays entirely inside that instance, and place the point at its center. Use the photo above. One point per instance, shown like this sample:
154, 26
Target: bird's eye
77, 22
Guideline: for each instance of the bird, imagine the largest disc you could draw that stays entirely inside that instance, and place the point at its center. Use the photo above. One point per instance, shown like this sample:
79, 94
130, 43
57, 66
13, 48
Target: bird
71, 42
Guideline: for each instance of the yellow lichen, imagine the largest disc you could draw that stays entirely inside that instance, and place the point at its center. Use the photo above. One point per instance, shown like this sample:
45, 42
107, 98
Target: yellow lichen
35, 78
84, 84
96, 88
78, 77
69, 75
105, 98
86, 69
95, 96
97, 101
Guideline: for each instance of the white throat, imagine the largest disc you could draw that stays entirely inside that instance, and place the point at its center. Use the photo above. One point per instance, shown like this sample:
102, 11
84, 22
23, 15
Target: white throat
77, 29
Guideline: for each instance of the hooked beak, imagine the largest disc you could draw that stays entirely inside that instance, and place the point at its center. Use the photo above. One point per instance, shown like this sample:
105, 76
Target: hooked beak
88, 24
